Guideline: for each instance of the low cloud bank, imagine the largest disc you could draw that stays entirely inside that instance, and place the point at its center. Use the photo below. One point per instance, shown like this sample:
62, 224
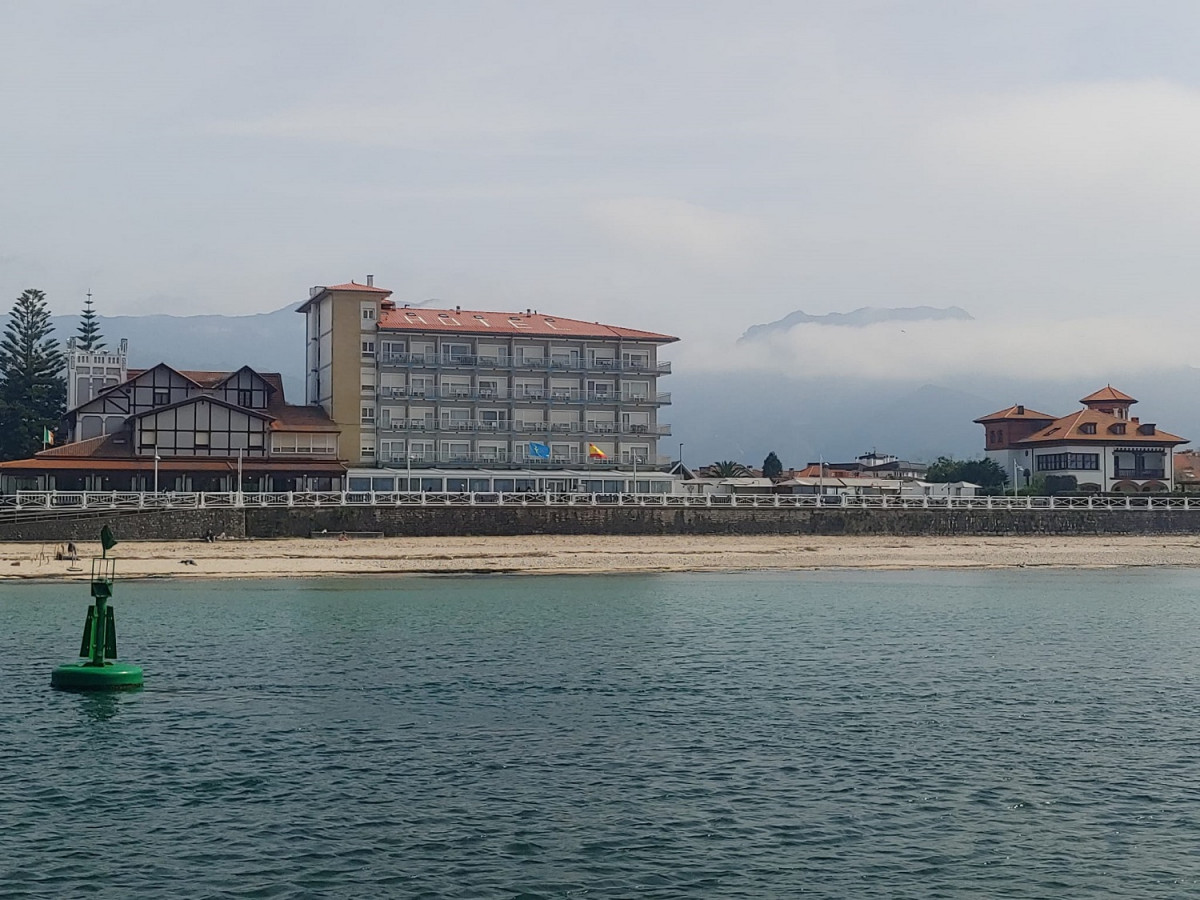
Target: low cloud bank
1100, 348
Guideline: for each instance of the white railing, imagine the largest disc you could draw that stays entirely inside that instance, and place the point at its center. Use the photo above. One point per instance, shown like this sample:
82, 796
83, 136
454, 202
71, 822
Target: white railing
77, 501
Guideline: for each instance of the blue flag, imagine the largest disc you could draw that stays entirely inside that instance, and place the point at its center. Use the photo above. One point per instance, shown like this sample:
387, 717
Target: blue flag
538, 450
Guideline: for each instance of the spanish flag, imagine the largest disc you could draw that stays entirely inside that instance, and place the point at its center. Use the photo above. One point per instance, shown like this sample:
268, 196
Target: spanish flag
595, 452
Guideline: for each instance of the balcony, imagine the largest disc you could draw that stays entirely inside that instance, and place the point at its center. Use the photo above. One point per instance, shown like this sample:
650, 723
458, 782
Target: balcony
1140, 474
526, 395
504, 459
539, 363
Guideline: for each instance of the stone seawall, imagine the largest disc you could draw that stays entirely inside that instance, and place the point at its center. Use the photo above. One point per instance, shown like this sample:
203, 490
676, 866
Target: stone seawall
533, 519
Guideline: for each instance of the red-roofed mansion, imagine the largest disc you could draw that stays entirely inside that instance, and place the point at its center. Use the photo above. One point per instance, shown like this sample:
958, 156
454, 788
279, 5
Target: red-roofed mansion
1101, 445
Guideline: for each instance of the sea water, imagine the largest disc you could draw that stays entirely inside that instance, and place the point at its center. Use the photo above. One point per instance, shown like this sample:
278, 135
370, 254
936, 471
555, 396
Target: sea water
841, 734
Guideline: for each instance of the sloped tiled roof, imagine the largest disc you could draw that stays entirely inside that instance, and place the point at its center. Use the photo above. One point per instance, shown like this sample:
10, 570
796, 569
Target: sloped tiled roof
1016, 412
509, 324
107, 445
301, 418
355, 286
1069, 429
286, 416
1108, 392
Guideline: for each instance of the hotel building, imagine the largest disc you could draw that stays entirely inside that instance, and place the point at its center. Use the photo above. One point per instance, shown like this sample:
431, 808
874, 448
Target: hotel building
456, 392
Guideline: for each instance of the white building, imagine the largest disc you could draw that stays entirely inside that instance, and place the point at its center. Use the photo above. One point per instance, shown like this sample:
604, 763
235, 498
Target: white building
1101, 446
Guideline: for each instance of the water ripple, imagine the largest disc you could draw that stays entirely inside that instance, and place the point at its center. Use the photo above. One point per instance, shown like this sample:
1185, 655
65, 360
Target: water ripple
838, 735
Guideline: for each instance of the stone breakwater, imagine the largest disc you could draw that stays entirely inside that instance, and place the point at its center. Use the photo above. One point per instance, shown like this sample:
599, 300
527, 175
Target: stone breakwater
479, 521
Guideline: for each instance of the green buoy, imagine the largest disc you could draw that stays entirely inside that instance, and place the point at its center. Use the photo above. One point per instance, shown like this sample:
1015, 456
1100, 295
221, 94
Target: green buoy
98, 668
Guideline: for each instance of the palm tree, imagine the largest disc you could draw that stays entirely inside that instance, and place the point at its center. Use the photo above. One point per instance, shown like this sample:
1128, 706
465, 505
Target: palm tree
729, 469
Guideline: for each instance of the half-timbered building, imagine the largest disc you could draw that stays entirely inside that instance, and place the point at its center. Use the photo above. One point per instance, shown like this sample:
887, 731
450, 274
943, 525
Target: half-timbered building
172, 430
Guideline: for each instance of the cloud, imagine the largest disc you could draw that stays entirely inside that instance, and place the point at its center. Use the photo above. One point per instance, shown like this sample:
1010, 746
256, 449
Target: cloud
664, 225
1100, 348
1127, 136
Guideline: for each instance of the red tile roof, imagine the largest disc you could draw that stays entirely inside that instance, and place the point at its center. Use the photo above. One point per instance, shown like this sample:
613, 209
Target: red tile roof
300, 418
355, 286
1069, 429
1108, 392
101, 445
530, 324
1016, 412
816, 470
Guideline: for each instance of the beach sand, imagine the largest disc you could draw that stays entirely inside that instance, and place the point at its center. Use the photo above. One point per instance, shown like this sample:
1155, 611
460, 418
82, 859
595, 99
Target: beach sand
542, 554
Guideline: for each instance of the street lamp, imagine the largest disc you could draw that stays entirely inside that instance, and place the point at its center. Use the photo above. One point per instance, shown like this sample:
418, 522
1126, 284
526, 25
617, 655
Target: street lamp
1016, 469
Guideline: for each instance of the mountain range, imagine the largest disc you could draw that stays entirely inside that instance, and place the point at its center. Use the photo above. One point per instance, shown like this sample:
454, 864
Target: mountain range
858, 318
740, 415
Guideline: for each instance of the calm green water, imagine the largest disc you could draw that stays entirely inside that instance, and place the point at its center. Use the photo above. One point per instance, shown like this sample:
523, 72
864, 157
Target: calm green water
1020, 734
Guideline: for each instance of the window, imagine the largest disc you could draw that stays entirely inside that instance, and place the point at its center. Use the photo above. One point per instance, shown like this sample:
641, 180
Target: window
245, 397
202, 439
1060, 462
1117, 428
368, 348
456, 352
1087, 428
256, 440
162, 396
149, 438
368, 313
368, 451
368, 415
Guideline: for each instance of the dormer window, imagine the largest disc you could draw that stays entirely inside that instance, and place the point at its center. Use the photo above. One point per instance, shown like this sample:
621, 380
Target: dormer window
1087, 428
1117, 428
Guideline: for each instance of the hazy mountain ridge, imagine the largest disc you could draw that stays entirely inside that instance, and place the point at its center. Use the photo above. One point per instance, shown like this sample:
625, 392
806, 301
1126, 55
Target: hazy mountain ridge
858, 318
268, 342
730, 415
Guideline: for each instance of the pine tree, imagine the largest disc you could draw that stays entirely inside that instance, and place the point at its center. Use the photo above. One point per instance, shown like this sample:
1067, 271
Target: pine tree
772, 467
33, 386
89, 328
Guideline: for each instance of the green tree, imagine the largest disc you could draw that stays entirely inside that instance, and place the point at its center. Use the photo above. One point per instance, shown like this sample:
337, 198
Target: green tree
33, 386
984, 472
728, 469
772, 467
89, 328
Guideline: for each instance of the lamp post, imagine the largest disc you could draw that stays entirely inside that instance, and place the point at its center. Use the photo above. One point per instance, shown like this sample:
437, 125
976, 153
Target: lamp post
681, 454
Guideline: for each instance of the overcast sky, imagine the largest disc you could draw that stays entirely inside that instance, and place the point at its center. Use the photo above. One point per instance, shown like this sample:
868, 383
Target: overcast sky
687, 167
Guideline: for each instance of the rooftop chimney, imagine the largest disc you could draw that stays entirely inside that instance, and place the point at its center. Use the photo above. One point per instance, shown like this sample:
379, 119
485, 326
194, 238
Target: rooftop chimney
370, 281
1020, 410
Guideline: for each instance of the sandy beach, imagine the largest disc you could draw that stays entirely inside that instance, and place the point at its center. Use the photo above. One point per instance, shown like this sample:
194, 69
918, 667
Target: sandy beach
537, 554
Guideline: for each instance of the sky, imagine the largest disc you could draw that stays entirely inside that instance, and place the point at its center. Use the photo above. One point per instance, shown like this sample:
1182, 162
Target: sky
692, 168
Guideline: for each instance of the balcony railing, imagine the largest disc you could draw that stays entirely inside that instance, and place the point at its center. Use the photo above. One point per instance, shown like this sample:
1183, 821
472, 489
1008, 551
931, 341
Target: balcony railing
523, 426
522, 395
541, 363
1139, 473
511, 459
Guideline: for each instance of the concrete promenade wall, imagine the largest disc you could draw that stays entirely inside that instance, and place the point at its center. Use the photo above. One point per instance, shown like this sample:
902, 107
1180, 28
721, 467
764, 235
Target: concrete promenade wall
415, 521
